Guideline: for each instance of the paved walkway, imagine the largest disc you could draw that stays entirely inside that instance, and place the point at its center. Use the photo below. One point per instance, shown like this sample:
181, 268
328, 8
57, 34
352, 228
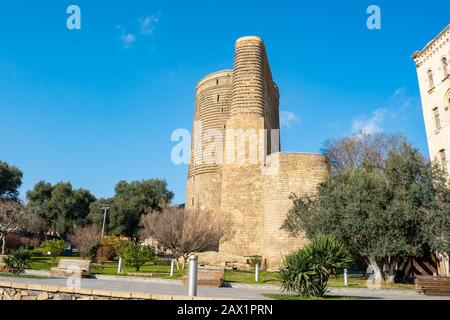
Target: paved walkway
235, 293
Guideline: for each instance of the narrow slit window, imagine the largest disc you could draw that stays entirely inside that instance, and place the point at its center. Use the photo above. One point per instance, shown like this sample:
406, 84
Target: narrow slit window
445, 66
443, 157
437, 119
430, 79
218, 98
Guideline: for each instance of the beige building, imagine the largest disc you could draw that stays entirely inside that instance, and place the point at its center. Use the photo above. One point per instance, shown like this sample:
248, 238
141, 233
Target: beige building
236, 169
433, 71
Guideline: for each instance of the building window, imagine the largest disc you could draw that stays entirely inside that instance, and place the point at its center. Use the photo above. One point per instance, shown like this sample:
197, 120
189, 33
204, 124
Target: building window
430, 79
443, 159
217, 81
445, 66
218, 98
192, 201
437, 119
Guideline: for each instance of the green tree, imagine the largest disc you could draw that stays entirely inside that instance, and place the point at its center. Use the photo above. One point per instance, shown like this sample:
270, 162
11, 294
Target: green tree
136, 255
382, 211
54, 247
308, 270
60, 206
130, 202
10, 182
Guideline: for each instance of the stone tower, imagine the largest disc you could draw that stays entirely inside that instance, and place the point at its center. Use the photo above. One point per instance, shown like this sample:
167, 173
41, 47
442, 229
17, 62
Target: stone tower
433, 71
242, 176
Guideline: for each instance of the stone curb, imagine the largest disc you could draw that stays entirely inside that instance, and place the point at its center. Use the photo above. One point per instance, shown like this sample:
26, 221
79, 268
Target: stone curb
363, 291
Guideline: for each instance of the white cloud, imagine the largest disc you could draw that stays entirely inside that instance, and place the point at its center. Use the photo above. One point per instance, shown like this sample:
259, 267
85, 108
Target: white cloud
287, 118
392, 116
369, 125
147, 24
127, 38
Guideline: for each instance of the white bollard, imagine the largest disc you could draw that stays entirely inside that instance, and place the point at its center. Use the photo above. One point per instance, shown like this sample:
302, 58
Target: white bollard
257, 273
172, 267
345, 277
119, 266
193, 276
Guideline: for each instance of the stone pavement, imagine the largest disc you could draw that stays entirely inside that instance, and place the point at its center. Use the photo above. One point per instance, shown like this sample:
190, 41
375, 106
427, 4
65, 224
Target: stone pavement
248, 293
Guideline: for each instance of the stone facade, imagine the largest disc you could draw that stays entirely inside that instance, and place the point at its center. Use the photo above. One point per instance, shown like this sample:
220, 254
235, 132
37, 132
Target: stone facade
433, 71
236, 168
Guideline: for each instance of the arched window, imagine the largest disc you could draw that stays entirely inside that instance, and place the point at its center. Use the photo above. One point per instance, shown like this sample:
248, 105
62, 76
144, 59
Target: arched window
430, 79
445, 66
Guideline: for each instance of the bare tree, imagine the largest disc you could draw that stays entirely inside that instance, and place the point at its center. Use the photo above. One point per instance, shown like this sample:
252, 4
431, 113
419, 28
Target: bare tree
184, 232
349, 152
12, 218
86, 238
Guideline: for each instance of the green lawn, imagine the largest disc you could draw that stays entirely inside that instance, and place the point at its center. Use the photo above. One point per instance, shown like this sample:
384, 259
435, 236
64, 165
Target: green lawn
298, 297
242, 276
361, 282
110, 268
236, 276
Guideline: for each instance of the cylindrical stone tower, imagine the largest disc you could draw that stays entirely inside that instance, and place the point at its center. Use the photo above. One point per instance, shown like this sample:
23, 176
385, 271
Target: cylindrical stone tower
242, 185
212, 106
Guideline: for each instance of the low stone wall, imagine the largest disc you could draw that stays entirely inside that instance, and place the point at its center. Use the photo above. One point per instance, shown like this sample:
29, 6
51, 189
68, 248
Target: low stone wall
25, 291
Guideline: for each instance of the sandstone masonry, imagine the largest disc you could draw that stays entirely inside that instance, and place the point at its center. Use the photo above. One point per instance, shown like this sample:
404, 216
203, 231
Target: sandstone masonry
241, 108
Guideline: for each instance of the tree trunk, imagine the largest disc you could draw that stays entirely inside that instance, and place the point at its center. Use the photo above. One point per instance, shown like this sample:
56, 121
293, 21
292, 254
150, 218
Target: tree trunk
391, 272
3, 238
377, 274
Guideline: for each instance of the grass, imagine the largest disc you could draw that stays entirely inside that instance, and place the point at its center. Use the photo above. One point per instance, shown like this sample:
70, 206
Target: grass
299, 297
149, 269
241, 276
361, 282
233, 276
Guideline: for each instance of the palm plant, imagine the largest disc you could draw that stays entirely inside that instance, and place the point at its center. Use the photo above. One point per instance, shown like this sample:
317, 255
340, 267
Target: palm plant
308, 270
18, 260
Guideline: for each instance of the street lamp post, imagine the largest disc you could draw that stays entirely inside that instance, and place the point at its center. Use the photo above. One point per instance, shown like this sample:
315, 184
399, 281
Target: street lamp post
105, 208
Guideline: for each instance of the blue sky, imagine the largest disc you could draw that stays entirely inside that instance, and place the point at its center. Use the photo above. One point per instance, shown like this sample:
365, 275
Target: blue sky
97, 105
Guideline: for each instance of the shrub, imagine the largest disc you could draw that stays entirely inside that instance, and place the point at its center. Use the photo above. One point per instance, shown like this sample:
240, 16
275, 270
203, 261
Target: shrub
55, 247
162, 262
113, 244
15, 241
253, 261
308, 270
86, 239
136, 255
103, 254
18, 260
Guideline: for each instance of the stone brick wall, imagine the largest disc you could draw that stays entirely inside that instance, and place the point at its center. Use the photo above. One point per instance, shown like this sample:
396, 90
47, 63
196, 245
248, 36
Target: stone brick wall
23, 291
252, 204
299, 173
